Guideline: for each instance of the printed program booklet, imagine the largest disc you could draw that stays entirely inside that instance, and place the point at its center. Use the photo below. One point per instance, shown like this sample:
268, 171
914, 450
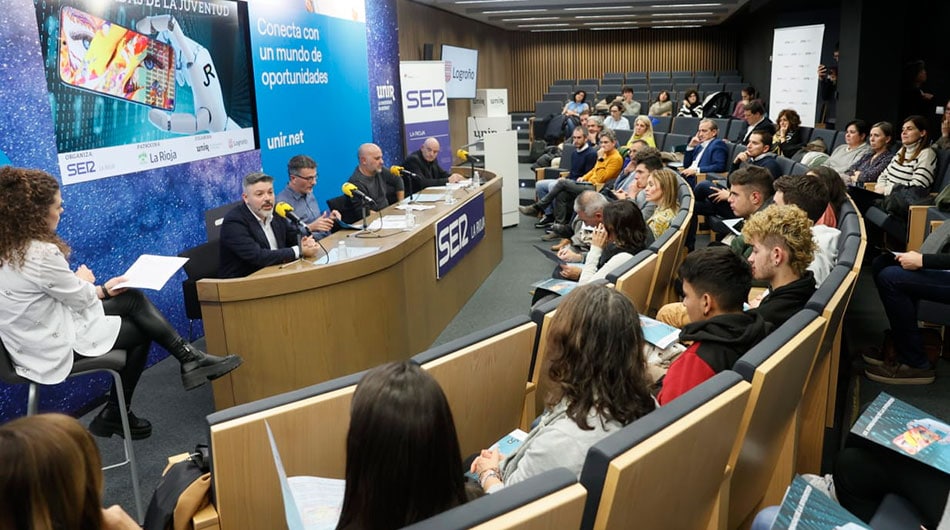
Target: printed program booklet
507, 445
893, 423
806, 508
658, 333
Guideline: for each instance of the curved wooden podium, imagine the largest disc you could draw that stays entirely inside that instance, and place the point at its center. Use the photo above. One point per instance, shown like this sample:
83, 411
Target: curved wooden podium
301, 324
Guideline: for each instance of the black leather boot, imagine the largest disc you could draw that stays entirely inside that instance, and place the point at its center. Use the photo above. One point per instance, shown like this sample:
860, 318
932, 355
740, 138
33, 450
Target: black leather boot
198, 367
109, 422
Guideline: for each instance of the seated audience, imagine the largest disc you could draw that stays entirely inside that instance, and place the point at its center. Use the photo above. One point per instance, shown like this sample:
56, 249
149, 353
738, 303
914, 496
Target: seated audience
582, 161
782, 249
749, 190
811, 195
787, 140
52, 477
607, 167
662, 106
748, 94
645, 162
813, 154
251, 238
595, 124
692, 106
944, 141
854, 147
909, 176
52, 314
837, 194
386, 447
599, 384
573, 109
424, 164
588, 214
705, 152
716, 283
615, 119
661, 191
631, 107
614, 242
759, 153
902, 282
626, 177
642, 130
870, 166
754, 116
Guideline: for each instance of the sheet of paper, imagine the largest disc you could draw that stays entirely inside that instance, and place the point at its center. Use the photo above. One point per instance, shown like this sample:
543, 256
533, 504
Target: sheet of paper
151, 272
351, 252
806, 508
734, 224
397, 222
310, 503
550, 254
462, 184
658, 333
415, 207
907, 430
430, 197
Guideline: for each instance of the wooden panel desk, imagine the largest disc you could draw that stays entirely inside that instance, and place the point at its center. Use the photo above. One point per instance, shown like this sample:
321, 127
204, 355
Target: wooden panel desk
303, 324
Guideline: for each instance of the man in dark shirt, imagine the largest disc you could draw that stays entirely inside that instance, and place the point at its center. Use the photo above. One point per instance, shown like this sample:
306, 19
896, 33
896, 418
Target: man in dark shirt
383, 187
425, 166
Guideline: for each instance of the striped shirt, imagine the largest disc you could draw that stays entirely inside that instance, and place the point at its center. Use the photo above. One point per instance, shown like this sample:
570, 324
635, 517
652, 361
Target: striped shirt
917, 172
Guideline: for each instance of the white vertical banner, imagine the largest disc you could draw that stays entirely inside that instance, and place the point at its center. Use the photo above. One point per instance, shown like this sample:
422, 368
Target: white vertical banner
796, 54
425, 110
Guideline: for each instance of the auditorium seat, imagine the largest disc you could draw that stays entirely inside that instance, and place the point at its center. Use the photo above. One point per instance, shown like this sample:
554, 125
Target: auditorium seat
764, 458
685, 125
549, 501
661, 123
668, 468
827, 136
667, 248
635, 277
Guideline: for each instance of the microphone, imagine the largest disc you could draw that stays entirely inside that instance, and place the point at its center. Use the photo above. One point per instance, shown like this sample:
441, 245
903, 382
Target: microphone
399, 171
350, 189
465, 157
287, 212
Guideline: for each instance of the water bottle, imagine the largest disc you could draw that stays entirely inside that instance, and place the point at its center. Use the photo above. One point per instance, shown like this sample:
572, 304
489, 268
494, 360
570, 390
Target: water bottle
410, 218
476, 180
341, 252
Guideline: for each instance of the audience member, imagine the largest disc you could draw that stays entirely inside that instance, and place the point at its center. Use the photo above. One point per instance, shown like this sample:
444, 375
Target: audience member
573, 109
748, 94
837, 194
662, 106
382, 186
944, 141
759, 153
618, 239
51, 477
782, 250
52, 315
302, 174
252, 239
642, 130
661, 191
385, 446
633, 148
811, 195
631, 107
747, 190
615, 119
588, 214
599, 380
751, 190
595, 124
582, 161
854, 147
716, 283
872, 163
788, 140
754, 115
915, 101
903, 280
646, 162
909, 176
424, 164
705, 152
692, 106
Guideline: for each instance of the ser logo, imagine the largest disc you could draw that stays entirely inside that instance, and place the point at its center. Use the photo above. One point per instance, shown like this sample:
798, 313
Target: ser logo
452, 239
428, 98
80, 168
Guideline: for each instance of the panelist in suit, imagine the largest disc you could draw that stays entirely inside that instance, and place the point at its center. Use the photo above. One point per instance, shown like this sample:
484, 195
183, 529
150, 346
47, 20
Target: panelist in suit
427, 170
302, 172
252, 239
705, 153
370, 178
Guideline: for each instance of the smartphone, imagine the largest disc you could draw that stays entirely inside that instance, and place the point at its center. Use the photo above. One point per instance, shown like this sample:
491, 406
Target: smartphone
915, 439
106, 58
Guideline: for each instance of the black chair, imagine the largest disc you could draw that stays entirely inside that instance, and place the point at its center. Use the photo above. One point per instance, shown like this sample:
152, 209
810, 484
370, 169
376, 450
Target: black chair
827, 136
203, 262
348, 210
785, 165
685, 125
623, 136
661, 123
848, 248
214, 218
111, 362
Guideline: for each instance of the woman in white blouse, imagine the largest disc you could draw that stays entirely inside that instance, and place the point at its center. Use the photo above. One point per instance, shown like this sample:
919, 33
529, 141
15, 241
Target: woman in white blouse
50, 313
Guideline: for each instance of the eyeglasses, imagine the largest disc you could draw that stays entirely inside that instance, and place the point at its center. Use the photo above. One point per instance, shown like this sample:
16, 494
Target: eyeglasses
301, 177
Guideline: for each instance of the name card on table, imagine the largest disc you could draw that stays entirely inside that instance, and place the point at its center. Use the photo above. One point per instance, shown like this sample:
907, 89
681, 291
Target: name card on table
457, 233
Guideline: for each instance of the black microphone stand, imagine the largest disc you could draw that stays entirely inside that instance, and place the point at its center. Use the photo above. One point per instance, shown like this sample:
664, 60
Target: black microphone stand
302, 232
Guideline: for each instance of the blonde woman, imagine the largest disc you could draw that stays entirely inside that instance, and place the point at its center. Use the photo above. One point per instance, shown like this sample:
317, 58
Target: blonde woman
642, 130
661, 191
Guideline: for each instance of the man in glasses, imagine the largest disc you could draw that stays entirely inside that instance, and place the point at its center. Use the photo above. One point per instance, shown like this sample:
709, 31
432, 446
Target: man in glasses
299, 194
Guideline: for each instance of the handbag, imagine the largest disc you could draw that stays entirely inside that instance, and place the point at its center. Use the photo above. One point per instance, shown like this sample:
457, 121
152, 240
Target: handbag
902, 197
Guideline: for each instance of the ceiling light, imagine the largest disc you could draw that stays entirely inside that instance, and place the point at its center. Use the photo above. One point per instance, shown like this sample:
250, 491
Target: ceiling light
527, 19
667, 6
696, 21
676, 27
513, 11
605, 8
551, 30
684, 14
605, 29
487, 1
601, 16
541, 25
613, 22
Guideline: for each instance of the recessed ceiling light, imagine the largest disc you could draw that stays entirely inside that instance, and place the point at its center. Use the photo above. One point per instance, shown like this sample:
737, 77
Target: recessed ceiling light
551, 30
606, 29
601, 16
676, 27
691, 21
527, 19
513, 11
684, 14
487, 1
541, 25
612, 22
667, 6
605, 8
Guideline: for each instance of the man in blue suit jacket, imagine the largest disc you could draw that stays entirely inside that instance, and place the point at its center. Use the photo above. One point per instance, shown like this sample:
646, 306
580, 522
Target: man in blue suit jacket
705, 153
252, 239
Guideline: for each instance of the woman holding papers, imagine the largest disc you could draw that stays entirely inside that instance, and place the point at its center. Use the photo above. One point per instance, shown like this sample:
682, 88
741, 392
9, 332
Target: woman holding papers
52, 477
50, 313
403, 462
599, 381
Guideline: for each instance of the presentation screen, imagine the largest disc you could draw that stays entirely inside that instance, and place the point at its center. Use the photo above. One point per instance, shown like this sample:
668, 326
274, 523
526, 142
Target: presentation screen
136, 86
461, 71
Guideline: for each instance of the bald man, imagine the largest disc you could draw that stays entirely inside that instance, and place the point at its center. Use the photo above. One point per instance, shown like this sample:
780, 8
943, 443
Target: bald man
426, 168
370, 178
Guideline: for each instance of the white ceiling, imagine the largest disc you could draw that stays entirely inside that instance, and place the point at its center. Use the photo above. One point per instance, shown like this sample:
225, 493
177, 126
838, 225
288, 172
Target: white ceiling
573, 15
